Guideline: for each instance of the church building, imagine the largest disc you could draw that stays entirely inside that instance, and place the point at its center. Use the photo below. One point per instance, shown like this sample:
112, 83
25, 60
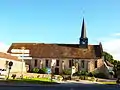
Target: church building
83, 56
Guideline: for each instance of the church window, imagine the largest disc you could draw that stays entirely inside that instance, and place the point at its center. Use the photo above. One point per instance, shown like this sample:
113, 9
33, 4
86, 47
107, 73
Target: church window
35, 63
73, 63
46, 63
70, 63
95, 64
82, 63
57, 63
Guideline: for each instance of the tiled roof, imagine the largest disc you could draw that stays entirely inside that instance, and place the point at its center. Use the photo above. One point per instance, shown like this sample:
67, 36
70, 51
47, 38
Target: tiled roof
109, 64
8, 56
41, 50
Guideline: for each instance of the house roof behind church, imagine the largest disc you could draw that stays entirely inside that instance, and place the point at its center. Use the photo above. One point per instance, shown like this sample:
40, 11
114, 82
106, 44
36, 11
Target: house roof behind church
109, 64
8, 56
41, 50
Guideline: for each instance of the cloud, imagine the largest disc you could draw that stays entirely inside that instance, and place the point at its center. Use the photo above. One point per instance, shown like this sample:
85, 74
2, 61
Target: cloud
3, 47
112, 46
116, 34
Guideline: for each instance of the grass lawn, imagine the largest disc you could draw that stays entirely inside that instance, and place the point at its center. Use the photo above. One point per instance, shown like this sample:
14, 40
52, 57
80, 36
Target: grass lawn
109, 83
32, 81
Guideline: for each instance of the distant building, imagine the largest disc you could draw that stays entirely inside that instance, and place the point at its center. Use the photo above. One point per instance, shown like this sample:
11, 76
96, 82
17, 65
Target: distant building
17, 64
83, 56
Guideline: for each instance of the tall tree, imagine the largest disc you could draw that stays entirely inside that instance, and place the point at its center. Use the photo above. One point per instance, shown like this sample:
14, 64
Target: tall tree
108, 57
116, 63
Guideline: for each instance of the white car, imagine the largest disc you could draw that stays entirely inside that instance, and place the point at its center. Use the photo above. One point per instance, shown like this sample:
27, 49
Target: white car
3, 73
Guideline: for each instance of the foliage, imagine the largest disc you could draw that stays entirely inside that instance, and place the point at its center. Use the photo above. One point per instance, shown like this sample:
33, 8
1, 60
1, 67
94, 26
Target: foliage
67, 72
111, 73
84, 73
118, 80
83, 77
108, 57
35, 70
118, 66
59, 78
90, 74
77, 73
92, 78
66, 77
43, 71
99, 75
13, 76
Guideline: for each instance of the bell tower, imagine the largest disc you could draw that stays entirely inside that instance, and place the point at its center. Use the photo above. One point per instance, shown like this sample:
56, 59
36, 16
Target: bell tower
83, 39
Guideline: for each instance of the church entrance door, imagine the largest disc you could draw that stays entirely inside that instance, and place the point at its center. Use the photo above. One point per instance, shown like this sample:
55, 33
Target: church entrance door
57, 71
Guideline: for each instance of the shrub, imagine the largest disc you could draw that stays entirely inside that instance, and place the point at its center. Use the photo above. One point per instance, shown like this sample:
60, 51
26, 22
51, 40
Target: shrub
67, 72
111, 73
59, 78
90, 74
43, 71
83, 77
66, 77
118, 80
38, 76
77, 73
13, 76
100, 75
35, 70
84, 73
92, 79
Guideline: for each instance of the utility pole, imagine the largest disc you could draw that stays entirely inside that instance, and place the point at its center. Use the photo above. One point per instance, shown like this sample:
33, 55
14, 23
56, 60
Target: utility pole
10, 65
71, 68
22, 62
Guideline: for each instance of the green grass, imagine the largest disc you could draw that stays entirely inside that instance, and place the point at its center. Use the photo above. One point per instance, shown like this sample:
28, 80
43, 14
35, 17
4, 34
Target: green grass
31, 81
109, 83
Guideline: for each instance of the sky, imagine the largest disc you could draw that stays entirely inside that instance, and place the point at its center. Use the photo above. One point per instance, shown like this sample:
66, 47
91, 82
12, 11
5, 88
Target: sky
59, 21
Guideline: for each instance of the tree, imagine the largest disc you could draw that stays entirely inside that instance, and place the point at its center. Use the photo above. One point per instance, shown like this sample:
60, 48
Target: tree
108, 57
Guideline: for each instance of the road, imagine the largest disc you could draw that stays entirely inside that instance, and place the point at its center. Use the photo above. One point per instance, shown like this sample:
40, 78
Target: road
65, 86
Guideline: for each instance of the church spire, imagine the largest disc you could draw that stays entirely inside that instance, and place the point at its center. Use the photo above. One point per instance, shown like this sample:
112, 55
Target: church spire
83, 32
83, 38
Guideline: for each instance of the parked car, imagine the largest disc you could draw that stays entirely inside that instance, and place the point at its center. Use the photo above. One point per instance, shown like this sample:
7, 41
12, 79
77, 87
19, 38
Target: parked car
3, 73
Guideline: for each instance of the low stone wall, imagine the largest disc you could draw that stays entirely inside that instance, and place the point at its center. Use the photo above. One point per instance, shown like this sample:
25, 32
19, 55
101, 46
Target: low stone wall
31, 75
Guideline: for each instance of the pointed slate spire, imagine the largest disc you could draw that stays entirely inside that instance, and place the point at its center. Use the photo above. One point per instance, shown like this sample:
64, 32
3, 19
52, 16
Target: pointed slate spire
83, 31
83, 39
